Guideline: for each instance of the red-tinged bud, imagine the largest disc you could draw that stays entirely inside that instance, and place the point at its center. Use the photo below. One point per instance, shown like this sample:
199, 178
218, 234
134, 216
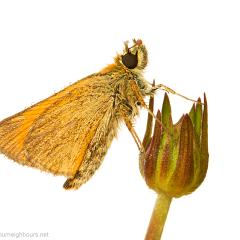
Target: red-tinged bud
177, 155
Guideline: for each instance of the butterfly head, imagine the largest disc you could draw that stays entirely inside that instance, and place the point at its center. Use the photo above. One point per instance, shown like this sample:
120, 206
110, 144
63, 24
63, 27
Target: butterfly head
134, 57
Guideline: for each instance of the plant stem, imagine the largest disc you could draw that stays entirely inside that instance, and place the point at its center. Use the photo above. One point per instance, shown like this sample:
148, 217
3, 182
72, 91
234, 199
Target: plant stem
158, 218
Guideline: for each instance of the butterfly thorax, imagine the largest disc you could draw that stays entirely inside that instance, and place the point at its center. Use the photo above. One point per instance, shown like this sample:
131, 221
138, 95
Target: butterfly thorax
128, 89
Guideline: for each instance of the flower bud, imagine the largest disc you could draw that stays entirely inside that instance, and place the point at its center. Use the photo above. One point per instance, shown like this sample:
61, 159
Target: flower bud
176, 159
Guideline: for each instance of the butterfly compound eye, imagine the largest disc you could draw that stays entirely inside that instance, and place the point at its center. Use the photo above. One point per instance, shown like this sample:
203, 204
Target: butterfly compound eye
130, 60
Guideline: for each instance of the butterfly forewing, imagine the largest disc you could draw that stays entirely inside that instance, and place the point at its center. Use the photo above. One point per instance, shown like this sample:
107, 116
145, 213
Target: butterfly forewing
54, 134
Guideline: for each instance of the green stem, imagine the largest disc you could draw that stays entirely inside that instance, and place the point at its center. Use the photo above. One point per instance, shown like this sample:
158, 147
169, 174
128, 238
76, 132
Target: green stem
158, 218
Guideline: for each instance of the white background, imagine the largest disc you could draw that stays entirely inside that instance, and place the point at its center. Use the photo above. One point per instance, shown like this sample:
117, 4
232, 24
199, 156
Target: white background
194, 47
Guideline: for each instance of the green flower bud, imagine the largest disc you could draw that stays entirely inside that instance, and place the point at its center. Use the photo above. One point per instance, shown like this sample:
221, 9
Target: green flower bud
176, 159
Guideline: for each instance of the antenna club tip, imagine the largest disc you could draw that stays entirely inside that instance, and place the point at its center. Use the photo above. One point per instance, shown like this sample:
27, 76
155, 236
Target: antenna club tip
139, 42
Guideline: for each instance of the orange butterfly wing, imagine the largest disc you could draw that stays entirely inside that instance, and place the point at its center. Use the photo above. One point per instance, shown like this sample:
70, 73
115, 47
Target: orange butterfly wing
54, 134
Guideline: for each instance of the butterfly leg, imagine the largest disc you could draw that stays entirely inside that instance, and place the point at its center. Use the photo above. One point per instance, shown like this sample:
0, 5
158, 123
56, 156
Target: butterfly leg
169, 90
137, 140
137, 92
134, 134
